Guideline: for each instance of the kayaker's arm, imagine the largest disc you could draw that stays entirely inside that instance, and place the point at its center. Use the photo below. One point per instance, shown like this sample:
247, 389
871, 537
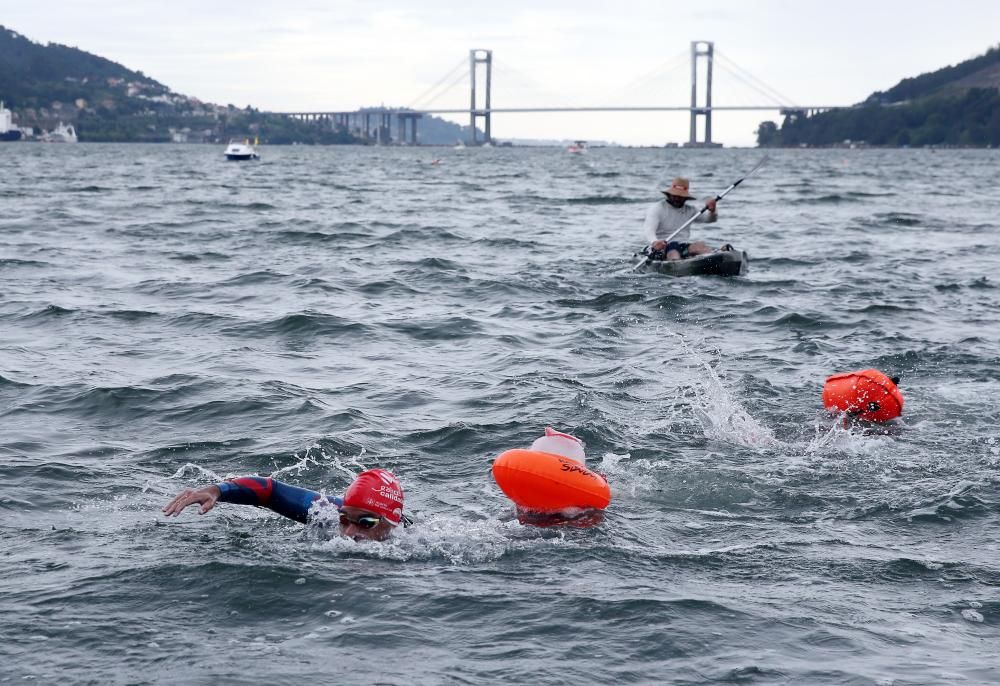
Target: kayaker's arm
711, 215
652, 223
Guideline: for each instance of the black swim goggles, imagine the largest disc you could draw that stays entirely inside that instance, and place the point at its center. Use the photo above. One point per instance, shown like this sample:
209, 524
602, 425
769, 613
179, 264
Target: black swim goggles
369, 521
362, 522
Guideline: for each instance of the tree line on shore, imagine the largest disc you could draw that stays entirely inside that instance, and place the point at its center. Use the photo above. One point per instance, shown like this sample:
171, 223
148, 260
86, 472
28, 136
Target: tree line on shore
970, 120
958, 105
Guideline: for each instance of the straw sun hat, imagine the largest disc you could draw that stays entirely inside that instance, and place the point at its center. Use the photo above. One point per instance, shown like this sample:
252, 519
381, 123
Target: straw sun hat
679, 187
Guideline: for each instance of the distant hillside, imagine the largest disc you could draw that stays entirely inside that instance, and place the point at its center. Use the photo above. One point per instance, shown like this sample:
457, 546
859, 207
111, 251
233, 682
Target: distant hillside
44, 85
979, 72
956, 105
436, 131
33, 75
47, 84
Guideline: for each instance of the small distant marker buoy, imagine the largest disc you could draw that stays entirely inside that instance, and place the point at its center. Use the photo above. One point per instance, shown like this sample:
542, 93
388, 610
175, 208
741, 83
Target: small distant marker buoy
868, 394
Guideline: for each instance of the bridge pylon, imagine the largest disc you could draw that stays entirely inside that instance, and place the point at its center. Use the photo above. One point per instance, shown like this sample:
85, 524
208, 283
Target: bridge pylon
701, 49
477, 57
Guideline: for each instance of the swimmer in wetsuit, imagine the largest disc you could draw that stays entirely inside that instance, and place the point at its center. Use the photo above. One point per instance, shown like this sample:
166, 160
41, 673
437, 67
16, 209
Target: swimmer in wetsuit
371, 508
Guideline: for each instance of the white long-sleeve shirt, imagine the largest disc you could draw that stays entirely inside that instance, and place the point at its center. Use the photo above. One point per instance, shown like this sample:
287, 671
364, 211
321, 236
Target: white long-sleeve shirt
663, 219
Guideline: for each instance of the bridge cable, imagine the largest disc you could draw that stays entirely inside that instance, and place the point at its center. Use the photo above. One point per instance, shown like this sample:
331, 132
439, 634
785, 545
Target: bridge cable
773, 92
459, 70
447, 90
516, 75
768, 98
652, 78
735, 68
449, 75
663, 69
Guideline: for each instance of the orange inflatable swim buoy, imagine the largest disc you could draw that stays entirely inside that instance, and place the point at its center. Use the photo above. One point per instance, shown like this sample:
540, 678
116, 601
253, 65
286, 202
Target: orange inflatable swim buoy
868, 394
549, 483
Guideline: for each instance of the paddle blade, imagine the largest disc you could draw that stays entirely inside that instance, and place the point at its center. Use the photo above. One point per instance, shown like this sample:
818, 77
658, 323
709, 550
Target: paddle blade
760, 164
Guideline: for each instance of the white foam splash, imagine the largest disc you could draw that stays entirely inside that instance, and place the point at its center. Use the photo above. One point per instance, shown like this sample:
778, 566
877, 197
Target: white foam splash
315, 454
455, 539
198, 470
972, 616
458, 540
834, 435
721, 416
626, 475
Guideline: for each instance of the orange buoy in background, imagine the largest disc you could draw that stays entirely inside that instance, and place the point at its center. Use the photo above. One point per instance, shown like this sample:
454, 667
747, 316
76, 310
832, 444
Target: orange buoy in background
552, 477
868, 394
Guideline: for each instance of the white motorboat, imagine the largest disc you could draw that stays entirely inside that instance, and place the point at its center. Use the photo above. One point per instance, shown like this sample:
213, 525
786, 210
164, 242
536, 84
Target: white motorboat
8, 132
238, 151
577, 147
64, 133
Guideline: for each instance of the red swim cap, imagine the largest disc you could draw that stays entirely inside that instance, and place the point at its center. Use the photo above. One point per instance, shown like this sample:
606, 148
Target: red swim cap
377, 491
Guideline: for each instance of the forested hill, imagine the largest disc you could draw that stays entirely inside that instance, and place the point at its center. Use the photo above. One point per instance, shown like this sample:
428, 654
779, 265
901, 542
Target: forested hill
46, 84
979, 72
958, 105
34, 75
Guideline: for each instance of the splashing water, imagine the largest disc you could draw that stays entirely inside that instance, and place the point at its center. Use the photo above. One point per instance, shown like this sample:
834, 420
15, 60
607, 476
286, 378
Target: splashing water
722, 417
457, 540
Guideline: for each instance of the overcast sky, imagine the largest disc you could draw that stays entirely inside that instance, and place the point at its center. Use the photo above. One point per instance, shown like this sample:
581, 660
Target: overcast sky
344, 54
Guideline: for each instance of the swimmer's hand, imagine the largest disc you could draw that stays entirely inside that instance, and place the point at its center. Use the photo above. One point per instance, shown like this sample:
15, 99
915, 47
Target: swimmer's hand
207, 496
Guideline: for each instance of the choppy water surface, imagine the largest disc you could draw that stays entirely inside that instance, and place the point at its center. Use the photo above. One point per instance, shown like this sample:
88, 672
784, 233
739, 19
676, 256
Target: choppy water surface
169, 319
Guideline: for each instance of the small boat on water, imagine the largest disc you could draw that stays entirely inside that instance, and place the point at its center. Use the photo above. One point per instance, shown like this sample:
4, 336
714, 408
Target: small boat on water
577, 147
64, 133
238, 151
730, 262
8, 132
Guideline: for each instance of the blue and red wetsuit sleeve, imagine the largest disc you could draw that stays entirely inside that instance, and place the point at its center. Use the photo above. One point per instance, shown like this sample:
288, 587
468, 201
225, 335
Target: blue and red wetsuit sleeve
289, 501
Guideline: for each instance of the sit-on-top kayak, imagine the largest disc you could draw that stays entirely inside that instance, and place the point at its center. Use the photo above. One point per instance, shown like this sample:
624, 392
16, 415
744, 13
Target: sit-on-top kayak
717, 263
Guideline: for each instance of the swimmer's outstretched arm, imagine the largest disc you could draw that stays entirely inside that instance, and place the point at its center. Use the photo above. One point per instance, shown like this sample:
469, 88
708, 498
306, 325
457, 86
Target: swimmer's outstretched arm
289, 501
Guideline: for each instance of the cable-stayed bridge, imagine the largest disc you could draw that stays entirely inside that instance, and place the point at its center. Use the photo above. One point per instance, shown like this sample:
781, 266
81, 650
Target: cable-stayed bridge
375, 124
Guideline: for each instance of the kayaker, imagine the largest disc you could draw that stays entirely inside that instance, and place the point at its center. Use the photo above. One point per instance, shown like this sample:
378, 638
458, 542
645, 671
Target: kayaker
668, 215
371, 508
